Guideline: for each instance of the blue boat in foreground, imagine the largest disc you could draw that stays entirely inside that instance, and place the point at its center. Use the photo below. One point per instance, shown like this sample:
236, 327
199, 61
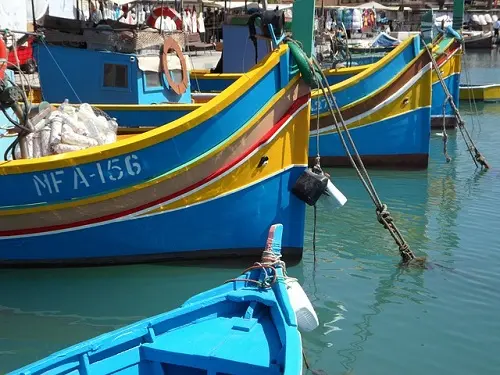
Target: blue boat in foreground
245, 326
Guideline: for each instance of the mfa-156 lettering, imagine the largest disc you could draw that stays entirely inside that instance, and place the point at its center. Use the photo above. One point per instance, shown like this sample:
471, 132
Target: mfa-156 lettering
104, 172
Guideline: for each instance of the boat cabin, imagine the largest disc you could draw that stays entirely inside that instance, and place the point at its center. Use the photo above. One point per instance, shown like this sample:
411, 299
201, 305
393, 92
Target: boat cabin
108, 65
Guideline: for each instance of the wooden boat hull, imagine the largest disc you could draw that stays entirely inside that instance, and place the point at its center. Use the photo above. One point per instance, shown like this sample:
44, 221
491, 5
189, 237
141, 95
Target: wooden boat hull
479, 42
390, 127
237, 328
401, 149
486, 93
450, 64
168, 192
448, 55
391, 124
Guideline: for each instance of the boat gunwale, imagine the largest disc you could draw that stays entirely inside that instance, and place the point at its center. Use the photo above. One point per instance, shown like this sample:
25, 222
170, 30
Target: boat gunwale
275, 298
338, 87
173, 173
486, 86
155, 136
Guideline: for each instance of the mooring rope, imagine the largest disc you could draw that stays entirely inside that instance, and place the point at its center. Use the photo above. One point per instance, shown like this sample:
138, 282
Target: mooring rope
269, 261
383, 215
474, 115
476, 156
445, 134
317, 168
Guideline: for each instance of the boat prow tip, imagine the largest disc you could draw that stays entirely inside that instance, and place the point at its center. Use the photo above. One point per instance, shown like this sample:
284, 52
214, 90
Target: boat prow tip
274, 238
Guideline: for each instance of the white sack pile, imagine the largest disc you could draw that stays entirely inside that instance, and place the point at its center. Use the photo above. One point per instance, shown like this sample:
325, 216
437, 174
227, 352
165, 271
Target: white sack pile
69, 129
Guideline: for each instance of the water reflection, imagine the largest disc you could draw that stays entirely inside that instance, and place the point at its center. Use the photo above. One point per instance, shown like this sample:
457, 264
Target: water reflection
406, 284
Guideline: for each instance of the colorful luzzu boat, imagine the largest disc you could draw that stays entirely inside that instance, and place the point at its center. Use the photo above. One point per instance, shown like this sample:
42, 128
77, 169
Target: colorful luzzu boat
248, 325
386, 104
448, 55
485, 93
209, 182
446, 50
388, 118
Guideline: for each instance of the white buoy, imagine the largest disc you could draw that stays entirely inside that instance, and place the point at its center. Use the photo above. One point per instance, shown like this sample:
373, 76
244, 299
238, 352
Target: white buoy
307, 320
332, 197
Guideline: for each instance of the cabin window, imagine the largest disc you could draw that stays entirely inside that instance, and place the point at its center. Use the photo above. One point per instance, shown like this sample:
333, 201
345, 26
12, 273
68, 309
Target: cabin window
116, 75
152, 79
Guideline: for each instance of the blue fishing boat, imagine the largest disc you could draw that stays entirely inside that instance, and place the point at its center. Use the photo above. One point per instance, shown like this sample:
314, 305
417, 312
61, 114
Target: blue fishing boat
248, 325
159, 192
387, 108
447, 52
388, 104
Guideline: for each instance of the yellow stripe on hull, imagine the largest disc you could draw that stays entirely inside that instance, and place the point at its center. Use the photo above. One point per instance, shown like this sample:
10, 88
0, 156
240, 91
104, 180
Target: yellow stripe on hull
281, 153
485, 93
182, 169
155, 136
451, 66
416, 96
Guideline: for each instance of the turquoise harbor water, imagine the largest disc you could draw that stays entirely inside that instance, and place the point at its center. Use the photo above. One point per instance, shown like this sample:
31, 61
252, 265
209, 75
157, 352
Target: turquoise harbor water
375, 318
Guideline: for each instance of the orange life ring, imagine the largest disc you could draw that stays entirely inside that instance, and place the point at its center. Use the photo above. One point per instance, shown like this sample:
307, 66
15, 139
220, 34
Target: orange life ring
167, 12
178, 87
3, 58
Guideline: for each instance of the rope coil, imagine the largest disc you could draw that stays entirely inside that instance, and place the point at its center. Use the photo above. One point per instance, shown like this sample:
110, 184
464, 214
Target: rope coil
269, 261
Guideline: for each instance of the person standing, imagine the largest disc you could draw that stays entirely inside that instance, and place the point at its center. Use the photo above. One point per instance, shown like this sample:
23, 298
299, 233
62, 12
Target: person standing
496, 28
201, 26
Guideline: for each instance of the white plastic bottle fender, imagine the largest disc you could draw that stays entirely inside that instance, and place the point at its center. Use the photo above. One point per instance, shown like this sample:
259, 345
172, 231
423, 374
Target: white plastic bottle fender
307, 320
69, 137
332, 197
45, 141
55, 132
62, 148
37, 146
29, 145
17, 152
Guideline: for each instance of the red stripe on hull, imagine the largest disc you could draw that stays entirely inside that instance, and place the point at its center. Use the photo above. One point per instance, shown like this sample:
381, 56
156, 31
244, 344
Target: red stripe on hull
290, 113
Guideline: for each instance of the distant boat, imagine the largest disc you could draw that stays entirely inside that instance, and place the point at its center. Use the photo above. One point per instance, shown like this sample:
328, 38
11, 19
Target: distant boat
247, 325
486, 93
478, 39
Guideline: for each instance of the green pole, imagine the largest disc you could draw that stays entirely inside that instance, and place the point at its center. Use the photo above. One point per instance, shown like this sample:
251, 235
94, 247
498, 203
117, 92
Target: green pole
303, 24
427, 26
458, 14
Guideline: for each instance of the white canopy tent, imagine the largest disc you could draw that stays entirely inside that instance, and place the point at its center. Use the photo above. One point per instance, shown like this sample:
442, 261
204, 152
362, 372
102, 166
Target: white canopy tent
13, 15
241, 4
123, 2
41, 7
378, 6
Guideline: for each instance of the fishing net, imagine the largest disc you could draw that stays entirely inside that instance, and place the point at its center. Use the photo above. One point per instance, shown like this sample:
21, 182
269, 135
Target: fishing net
64, 128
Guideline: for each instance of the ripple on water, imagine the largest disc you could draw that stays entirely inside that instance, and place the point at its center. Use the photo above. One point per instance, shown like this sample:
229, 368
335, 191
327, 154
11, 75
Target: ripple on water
375, 318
